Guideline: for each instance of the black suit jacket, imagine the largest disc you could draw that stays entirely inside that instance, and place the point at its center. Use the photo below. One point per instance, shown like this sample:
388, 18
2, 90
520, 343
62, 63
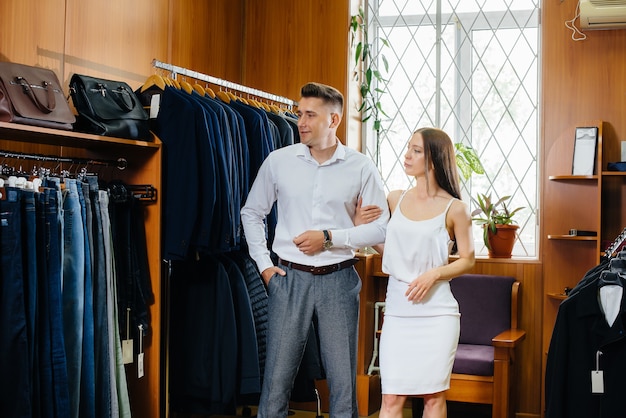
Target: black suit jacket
580, 331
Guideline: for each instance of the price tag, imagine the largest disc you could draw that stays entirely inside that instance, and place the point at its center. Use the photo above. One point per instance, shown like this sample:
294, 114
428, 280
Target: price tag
155, 104
140, 372
597, 376
127, 344
597, 381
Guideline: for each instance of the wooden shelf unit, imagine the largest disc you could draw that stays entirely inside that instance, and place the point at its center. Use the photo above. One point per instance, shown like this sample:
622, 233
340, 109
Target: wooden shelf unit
143, 167
594, 202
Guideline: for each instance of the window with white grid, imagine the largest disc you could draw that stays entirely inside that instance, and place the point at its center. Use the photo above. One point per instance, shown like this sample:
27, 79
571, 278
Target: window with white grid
469, 67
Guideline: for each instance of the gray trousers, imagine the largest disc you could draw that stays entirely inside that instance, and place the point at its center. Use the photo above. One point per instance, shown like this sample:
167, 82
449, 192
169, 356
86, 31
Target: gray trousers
294, 300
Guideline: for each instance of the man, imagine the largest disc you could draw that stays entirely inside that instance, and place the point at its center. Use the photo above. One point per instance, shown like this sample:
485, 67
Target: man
317, 185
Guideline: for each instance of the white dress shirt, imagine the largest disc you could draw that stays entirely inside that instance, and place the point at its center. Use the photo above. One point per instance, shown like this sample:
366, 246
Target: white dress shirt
313, 196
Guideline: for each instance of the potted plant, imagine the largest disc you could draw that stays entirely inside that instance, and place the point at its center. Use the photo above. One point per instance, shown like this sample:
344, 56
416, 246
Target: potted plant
499, 227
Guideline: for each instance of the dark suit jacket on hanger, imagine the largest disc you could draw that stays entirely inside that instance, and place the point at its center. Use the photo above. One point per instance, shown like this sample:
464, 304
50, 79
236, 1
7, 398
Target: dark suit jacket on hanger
580, 331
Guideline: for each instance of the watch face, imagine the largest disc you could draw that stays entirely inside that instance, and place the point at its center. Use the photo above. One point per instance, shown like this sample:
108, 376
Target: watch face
328, 245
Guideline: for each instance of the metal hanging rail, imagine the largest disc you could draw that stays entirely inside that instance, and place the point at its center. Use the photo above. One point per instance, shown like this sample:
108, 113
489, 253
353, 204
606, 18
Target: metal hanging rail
615, 245
120, 163
223, 83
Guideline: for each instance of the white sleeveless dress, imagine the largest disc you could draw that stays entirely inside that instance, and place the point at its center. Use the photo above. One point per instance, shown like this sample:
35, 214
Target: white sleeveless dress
418, 339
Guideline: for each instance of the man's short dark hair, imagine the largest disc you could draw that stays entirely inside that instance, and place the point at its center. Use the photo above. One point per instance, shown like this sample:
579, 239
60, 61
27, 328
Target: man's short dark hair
328, 94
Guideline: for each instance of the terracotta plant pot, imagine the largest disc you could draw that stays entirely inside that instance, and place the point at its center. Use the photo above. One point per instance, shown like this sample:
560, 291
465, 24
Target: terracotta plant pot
501, 243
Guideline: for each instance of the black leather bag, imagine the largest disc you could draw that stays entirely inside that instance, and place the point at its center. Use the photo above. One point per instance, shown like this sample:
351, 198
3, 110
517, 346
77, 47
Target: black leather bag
33, 96
107, 107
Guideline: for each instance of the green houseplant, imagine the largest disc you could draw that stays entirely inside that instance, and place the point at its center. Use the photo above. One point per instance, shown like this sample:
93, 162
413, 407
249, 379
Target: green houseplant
366, 74
499, 227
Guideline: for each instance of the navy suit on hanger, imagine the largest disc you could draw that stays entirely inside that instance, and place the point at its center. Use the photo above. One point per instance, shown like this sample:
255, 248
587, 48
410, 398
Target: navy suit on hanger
184, 130
222, 223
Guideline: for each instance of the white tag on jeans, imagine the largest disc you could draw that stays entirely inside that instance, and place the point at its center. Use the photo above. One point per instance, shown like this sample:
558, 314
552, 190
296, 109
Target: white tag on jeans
127, 351
140, 365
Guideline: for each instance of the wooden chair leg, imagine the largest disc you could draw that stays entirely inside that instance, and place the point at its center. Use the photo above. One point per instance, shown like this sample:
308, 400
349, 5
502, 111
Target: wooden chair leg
502, 383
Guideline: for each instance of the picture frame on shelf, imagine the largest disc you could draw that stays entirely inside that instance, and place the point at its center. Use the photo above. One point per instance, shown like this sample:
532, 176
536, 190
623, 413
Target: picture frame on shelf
585, 146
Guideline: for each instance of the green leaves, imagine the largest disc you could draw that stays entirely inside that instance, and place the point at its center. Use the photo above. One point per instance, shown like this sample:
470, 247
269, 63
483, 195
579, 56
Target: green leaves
365, 73
467, 160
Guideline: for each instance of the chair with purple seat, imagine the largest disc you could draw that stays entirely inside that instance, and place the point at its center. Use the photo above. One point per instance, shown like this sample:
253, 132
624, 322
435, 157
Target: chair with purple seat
482, 371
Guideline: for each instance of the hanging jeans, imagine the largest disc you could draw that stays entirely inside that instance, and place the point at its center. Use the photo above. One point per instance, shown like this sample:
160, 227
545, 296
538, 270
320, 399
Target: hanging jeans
120, 402
73, 290
54, 390
87, 388
29, 255
102, 375
14, 362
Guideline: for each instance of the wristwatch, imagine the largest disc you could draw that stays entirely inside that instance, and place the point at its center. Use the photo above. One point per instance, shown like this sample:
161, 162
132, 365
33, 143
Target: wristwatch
327, 242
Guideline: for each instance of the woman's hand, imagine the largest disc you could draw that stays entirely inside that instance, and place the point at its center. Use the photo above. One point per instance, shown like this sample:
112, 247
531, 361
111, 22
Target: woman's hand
419, 288
366, 214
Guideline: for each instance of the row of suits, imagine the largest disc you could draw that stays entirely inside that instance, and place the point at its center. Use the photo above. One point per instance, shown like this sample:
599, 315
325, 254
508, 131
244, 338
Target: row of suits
212, 152
219, 308
217, 340
588, 343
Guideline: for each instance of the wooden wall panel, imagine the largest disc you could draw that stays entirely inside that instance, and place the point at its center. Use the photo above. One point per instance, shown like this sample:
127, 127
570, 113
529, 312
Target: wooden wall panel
207, 36
289, 43
32, 32
114, 40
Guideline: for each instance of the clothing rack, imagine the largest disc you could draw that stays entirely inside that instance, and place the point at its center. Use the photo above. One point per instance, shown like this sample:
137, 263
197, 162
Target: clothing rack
120, 163
608, 253
222, 83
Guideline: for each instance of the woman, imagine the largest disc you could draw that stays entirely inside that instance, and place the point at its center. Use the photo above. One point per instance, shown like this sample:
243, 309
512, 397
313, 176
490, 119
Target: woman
421, 327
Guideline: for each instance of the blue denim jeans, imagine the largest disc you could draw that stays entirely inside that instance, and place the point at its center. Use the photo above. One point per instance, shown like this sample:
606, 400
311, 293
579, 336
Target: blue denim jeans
87, 379
29, 267
15, 391
73, 290
54, 390
102, 375
294, 300
120, 402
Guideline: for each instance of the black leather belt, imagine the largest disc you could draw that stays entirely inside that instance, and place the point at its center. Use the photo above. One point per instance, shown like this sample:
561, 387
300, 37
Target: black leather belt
331, 268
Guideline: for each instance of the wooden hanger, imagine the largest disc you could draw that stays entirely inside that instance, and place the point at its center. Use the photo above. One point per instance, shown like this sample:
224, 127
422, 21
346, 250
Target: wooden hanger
232, 96
186, 86
223, 96
153, 80
199, 89
175, 83
209, 92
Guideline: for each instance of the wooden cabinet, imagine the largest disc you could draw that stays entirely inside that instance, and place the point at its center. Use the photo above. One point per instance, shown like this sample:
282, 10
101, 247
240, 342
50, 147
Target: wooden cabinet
592, 202
141, 162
